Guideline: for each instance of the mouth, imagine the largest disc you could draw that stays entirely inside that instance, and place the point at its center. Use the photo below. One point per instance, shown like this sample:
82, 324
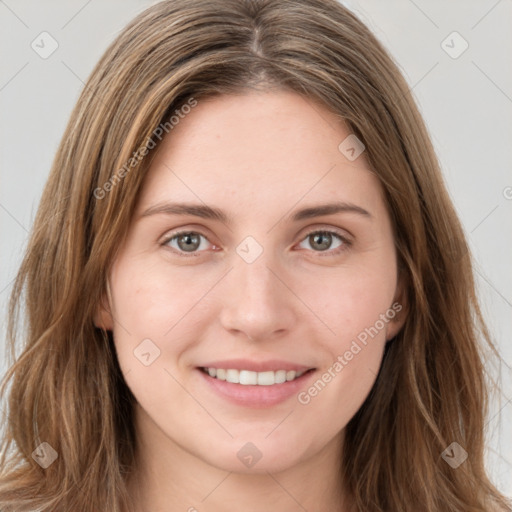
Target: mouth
251, 378
255, 385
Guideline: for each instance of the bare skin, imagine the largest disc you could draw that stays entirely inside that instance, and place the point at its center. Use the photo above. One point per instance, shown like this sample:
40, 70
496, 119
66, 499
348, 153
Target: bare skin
258, 157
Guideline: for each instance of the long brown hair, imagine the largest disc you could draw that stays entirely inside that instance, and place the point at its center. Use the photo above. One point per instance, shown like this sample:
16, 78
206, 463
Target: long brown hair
66, 388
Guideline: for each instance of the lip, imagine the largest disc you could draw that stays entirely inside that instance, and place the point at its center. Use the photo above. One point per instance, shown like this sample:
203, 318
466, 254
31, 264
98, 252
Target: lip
259, 397
256, 366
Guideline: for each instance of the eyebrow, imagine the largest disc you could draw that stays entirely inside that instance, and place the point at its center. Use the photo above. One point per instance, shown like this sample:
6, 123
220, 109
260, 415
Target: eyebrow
209, 212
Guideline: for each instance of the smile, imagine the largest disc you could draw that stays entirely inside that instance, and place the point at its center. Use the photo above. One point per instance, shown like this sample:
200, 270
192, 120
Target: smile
250, 378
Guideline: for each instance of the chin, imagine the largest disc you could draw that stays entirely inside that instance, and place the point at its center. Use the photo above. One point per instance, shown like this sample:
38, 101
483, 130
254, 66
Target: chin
256, 454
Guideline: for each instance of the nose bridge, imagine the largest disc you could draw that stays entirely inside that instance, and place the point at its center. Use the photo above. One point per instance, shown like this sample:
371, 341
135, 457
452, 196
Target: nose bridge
257, 280
256, 284
256, 301
252, 264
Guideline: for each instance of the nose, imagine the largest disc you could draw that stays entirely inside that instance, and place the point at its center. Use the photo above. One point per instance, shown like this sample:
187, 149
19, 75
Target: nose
258, 302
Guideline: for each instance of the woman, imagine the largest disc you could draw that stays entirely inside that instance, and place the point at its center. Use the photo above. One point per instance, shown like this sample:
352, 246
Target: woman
246, 286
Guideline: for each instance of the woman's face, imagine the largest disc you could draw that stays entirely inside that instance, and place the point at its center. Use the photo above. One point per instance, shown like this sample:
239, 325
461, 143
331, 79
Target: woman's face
290, 301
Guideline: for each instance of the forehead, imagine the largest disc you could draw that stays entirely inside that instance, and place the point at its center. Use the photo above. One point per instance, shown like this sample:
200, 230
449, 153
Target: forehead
257, 149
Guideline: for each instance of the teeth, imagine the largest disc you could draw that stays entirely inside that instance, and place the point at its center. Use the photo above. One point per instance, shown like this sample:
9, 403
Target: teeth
280, 376
248, 378
233, 376
266, 378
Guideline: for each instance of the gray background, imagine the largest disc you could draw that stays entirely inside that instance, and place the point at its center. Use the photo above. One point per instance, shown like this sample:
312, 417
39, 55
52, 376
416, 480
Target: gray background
466, 102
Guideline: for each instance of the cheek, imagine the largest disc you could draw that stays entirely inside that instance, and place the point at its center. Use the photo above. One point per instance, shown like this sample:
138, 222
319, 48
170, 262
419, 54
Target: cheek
150, 300
340, 389
148, 304
354, 306
350, 301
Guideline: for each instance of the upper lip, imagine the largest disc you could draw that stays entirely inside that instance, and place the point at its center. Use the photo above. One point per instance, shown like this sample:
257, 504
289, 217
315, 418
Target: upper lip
256, 366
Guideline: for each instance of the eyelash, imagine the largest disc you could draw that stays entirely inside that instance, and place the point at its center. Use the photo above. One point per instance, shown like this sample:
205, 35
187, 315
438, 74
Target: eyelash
345, 242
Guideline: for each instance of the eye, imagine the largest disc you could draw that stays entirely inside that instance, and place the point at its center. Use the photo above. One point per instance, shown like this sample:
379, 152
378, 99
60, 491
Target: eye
185, 242
322, 240
190, 243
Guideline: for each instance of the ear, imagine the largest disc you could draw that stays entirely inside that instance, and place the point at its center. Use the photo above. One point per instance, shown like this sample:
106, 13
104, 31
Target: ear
102, 316
400, 307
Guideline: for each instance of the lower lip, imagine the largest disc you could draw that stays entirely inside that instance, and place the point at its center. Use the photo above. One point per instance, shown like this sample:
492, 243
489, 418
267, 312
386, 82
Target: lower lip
257, 396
